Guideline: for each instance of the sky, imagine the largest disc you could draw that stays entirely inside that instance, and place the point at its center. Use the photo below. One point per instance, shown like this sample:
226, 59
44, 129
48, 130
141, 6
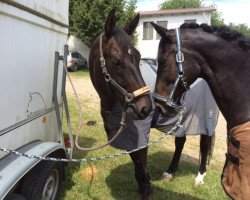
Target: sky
235, 11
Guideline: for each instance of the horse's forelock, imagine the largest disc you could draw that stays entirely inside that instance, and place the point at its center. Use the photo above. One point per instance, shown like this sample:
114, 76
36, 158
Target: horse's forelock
122, 38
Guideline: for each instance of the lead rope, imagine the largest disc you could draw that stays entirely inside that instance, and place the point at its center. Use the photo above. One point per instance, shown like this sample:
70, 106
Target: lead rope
122, 122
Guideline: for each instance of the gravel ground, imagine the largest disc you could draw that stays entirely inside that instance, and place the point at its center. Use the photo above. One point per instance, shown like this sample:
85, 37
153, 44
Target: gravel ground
86, 91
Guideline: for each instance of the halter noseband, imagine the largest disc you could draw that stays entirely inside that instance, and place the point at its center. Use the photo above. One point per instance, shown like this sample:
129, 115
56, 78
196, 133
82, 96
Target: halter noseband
129, 97
169, 101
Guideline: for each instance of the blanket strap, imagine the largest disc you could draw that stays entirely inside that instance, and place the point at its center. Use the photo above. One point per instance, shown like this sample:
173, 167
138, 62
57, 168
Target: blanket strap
233, 159
234, 142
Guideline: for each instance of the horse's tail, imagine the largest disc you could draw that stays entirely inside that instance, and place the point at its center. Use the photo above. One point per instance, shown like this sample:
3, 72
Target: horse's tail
209, 144
211, 149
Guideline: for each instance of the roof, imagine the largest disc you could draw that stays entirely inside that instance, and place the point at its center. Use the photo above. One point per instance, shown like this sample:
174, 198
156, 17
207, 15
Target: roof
177, 11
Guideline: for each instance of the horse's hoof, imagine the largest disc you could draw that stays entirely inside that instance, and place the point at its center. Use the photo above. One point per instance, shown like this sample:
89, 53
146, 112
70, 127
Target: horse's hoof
167, 177
199, 180
145, 191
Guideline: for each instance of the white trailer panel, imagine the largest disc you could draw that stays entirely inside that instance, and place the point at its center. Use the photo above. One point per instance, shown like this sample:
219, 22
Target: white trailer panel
31, 31
28, 45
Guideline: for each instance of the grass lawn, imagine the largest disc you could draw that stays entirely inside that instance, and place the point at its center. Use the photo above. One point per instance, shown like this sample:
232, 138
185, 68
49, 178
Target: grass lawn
80, 73
113, 179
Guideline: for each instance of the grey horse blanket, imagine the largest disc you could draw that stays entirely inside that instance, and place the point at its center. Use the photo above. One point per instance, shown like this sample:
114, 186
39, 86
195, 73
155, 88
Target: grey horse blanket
200, 118
201, 112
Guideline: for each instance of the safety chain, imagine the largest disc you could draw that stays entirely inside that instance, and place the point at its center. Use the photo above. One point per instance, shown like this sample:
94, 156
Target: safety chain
82, 160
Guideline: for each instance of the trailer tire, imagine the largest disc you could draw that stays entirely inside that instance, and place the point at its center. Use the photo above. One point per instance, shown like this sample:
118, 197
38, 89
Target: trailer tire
74, 68
14, 197
43, 181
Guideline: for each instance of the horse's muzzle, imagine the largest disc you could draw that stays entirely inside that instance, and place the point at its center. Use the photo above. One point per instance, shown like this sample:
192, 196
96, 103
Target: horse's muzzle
165, 110
140, 109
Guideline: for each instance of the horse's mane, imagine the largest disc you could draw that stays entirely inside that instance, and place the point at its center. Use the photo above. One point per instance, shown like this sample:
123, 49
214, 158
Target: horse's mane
223, 31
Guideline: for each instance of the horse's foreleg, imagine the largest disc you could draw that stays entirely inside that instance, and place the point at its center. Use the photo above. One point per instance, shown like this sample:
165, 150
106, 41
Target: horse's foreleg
205, 148
141, 174
179, 144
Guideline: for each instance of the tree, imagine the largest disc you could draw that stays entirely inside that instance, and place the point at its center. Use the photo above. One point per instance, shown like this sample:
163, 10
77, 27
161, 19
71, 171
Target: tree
87, 17
216, 18
242, 28
175, 4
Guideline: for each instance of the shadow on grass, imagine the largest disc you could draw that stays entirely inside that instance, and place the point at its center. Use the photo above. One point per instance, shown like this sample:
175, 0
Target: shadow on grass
73, 167
123, 185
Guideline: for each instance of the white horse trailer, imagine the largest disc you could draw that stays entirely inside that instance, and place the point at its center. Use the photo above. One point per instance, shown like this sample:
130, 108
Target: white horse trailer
33, 35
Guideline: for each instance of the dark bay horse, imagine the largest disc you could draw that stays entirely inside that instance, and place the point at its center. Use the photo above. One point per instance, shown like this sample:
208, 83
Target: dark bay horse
221, 56
115, 74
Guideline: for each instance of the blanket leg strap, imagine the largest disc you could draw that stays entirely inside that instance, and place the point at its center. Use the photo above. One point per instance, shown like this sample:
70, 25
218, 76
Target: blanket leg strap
234, 142
233, 159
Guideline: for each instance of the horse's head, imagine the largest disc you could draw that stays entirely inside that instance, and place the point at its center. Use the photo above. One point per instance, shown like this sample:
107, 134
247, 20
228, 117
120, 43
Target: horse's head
114, 69
173, 79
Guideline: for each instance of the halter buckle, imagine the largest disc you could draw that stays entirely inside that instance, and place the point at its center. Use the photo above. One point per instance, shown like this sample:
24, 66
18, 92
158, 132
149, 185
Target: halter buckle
179, 57
129, 98
102, 60
103, 65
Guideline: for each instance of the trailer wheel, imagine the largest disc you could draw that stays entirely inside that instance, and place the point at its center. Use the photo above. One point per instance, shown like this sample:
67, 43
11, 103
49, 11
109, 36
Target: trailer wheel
74, 68
43, 181
14, 197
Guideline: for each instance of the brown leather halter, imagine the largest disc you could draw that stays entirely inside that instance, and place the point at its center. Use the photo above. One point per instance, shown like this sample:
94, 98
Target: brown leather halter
129, 97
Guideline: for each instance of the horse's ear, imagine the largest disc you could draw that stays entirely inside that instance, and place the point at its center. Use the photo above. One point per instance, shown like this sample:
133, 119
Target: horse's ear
161, 31
130, 27
110, 23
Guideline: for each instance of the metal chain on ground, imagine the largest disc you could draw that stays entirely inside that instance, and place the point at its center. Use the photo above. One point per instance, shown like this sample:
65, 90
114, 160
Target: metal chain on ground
82, 160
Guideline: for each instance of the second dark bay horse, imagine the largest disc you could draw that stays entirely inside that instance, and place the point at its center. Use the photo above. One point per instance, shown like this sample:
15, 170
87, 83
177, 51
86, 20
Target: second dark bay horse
220, 56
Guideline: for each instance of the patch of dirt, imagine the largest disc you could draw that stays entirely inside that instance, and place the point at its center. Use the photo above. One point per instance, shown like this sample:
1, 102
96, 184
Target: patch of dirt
191, 148
90, 173
85, 90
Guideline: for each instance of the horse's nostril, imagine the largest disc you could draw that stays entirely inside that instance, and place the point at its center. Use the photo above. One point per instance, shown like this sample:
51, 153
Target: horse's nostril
158, 107
145, 111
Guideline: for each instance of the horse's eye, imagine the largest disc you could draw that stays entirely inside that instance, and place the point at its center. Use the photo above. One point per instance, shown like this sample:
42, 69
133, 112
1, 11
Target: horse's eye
118, 63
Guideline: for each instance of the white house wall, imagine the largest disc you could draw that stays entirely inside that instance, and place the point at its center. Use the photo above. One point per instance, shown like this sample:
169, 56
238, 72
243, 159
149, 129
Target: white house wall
149, 48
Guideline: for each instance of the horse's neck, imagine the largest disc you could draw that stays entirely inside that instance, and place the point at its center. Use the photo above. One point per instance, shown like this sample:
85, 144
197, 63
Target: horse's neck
230, 84
107, 98
107, 103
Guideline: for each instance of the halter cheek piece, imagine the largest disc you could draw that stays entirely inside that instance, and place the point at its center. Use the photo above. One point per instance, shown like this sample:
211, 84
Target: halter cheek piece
169, 101
129, 97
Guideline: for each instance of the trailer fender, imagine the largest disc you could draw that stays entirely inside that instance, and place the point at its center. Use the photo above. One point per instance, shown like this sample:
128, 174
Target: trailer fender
13, 167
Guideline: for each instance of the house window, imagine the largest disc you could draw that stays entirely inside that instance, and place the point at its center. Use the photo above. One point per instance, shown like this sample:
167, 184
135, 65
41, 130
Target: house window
163, 24
147, 31
188, 21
